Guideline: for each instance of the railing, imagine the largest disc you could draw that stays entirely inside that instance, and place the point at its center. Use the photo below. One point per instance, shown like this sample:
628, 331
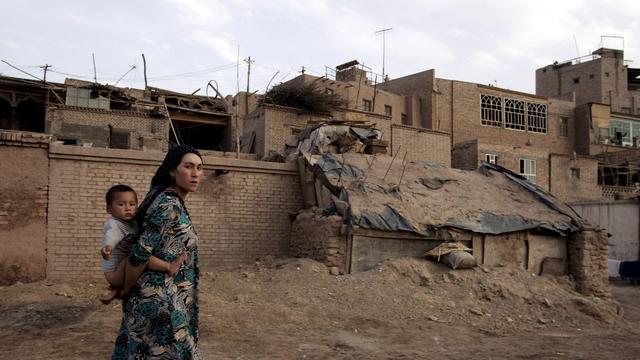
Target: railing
610, 191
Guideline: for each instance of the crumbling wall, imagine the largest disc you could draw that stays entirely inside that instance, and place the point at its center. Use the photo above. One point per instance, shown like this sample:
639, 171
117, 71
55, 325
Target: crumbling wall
127, 129
588, 255
318, 237
23, 205
465, 155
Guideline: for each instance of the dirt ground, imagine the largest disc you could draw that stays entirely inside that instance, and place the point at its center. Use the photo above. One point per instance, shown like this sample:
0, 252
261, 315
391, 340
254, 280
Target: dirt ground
293, 309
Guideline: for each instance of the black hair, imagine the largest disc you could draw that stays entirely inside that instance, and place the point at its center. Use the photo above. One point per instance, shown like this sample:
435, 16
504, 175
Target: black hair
162, 178
116, 189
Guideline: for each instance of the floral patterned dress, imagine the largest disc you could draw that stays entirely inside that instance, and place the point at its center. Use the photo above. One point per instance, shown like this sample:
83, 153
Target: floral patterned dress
160, 318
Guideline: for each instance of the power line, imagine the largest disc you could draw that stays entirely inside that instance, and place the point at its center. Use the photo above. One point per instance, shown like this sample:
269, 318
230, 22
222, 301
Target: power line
22, 71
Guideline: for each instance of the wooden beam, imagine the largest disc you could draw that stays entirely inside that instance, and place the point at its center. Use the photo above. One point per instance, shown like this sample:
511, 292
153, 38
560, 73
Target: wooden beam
177, 116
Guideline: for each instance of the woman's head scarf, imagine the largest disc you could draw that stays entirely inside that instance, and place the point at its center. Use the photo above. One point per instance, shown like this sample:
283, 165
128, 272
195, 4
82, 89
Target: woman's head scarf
162, 178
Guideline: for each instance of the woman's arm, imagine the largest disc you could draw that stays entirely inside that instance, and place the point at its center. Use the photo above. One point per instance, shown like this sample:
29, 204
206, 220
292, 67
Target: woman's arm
131, 275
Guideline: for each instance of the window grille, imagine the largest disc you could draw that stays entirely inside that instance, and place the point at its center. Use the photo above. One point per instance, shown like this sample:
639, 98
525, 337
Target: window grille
514, 115
491, 110
537, 118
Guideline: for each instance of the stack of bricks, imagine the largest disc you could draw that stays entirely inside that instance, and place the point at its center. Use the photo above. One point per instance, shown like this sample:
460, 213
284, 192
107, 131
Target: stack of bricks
318, 237
24, 139
588, 255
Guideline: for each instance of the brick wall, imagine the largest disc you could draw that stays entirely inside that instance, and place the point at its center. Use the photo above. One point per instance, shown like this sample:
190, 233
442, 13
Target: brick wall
23, 206
318, 237
574, 179
92, 125
239, 216
421, 144
588, 254
280, 123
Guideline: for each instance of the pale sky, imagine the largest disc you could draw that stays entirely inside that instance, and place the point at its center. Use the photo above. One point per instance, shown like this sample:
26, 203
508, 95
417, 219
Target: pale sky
189, 42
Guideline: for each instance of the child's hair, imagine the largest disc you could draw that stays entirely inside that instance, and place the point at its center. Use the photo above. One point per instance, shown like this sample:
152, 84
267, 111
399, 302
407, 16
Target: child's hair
115, 189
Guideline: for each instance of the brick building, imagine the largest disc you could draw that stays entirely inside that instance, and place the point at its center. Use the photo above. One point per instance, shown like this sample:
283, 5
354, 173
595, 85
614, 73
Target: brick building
607, 96
95, 115
522, 132
266, 127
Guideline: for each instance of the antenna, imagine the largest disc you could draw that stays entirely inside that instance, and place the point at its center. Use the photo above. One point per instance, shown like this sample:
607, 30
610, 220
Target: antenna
575, 41
384, 45
95, 75
131, 67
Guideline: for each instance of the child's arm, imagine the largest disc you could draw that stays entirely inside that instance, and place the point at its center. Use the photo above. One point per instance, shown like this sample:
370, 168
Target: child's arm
170, 268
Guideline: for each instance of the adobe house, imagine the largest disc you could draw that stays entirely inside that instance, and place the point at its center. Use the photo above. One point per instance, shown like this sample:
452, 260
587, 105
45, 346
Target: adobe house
360, 97
363, 209
96, 115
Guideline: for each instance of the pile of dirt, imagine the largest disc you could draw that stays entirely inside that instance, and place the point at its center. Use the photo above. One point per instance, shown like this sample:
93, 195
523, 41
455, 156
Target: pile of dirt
293, 308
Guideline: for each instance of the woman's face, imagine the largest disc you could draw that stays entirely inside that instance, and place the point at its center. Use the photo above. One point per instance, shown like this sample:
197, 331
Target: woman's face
188, 174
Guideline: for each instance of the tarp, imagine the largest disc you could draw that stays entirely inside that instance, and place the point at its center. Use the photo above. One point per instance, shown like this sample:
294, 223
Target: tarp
421, 197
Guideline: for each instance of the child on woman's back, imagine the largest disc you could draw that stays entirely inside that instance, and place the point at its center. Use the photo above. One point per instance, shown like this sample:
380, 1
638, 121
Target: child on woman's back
119, 233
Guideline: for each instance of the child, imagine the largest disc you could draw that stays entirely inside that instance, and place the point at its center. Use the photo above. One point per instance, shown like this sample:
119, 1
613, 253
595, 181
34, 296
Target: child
119, 232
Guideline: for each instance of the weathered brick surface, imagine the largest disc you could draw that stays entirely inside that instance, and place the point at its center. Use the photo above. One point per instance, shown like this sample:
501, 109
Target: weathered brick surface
239, 216
23, 206
92, 125
567, 185
421, 144
588, 253
318, 237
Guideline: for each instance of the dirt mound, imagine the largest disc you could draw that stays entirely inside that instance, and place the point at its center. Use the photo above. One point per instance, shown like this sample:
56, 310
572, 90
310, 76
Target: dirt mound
293, 308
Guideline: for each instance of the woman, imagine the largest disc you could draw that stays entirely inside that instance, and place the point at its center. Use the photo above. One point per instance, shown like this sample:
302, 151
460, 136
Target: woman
160, 318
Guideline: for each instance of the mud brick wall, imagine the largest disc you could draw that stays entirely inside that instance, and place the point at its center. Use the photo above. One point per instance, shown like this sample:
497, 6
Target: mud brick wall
318, 237
23, 205
421, 144
92, 125
588, 254
239, 215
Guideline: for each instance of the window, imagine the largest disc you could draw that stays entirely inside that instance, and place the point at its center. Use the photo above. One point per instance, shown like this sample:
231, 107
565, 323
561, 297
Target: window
328, 91
405, 119
491, 158
537, 118
366, 105
387, 110
576, 80
514, 114
564, 130
517, 114
528, 169
620, 132
491, 110
575, 173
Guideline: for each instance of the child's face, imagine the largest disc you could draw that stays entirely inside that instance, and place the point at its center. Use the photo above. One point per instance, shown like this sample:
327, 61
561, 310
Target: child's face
123, 206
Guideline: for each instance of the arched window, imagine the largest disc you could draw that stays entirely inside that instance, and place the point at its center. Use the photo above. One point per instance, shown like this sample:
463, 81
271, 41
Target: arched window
491, 110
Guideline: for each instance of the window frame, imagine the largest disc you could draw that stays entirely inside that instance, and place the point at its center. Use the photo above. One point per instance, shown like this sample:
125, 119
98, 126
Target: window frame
491, 110
390, 110
491, 158
528, 172
367, 105
563, 126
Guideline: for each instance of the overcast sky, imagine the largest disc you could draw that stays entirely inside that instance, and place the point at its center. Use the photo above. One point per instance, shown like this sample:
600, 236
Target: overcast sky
189, 42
